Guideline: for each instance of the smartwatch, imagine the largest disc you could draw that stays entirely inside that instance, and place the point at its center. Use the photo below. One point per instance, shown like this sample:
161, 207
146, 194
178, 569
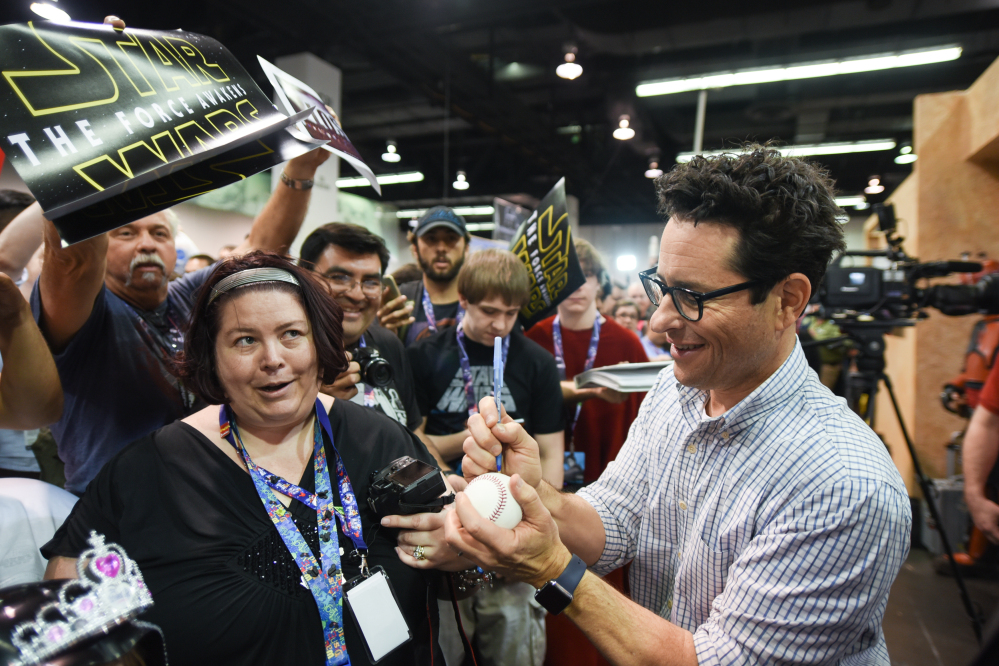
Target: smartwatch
556, 595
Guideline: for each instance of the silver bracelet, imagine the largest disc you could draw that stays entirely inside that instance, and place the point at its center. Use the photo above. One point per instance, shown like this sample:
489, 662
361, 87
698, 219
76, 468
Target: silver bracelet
297, 184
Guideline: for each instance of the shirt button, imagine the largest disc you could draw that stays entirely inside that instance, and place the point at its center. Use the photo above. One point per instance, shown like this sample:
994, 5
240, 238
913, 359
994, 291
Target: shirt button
724, 434
683, 506
669, 604
691, 448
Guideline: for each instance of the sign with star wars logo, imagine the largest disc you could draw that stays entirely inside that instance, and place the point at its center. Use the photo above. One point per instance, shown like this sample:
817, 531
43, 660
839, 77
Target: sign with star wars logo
106, 126
544, 243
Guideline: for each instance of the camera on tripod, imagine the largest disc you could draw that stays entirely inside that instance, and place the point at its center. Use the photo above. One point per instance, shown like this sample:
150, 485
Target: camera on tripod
870, 294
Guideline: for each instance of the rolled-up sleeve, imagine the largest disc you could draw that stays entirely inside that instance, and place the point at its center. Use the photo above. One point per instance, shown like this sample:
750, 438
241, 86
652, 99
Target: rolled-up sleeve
807, 588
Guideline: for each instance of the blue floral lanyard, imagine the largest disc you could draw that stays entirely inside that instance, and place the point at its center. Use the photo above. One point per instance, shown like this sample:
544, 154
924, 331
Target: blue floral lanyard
428, 309
591, 356
369, 390
466, 371
325, 582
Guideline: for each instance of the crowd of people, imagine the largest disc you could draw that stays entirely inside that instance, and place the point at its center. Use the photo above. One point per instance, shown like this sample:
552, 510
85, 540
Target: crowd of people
225, 429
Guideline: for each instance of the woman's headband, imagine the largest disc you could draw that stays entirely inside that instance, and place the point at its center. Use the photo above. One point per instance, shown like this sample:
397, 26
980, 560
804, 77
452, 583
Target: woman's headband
251, 276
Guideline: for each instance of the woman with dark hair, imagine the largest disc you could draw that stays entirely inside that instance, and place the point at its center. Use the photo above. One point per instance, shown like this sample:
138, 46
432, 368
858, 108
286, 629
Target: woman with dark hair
241, 574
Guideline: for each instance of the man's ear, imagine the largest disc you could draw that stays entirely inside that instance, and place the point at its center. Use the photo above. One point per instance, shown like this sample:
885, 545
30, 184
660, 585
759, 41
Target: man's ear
793, 293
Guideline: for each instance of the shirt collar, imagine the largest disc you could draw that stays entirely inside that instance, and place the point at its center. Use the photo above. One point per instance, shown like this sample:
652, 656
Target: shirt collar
778, 387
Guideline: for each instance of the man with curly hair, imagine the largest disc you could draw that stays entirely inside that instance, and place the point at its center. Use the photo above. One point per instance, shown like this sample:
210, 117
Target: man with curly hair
764, 521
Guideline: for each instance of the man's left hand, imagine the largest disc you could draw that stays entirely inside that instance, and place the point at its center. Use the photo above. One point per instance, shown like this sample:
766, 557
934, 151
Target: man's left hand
531, 552
396, 313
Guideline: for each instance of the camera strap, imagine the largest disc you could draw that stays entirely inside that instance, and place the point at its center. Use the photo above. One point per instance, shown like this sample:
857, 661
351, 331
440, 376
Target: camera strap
369, 391
466, 369
323, 582
428, 310
591, 356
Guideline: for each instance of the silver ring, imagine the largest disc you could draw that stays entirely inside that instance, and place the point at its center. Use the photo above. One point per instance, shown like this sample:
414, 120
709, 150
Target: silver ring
418, 553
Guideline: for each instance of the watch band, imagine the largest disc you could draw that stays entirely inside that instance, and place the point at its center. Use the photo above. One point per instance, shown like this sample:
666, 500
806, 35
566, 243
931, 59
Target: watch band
296, 184
557, 594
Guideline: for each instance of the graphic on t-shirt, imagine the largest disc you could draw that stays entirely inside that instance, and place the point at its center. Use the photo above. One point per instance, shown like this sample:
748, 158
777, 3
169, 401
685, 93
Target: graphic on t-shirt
454, 399
387, 401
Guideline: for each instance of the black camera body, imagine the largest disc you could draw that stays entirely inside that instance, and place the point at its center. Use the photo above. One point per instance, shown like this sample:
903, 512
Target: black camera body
871, 294
407, 486
375, 370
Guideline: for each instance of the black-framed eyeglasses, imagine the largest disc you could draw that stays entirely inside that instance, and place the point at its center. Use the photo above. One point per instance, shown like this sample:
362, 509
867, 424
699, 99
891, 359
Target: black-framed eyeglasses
689, 303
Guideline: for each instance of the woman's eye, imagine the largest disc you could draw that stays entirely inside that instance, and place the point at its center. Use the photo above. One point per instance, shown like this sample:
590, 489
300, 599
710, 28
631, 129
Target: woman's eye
292, 334
245, 341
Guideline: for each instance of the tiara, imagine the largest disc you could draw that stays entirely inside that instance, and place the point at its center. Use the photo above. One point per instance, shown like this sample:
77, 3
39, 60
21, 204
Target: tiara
251, 276
109, 590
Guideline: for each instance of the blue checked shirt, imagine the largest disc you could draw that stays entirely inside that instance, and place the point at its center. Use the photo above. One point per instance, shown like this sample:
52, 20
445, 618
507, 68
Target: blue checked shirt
772, 532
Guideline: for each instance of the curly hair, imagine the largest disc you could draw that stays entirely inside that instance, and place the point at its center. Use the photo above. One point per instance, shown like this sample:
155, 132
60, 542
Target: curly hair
196, 365
783, 208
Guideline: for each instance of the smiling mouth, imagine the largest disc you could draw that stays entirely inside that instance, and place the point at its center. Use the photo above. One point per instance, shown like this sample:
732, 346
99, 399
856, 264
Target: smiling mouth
687, 347
273, 388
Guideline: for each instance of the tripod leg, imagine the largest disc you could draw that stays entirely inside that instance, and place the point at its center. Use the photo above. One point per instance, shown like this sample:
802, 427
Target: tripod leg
928, 490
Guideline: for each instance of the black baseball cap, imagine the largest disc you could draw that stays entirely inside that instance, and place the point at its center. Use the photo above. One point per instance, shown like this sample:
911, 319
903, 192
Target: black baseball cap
441, 216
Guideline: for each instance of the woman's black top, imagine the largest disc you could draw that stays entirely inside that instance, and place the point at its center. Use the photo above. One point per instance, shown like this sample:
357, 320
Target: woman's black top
225, 588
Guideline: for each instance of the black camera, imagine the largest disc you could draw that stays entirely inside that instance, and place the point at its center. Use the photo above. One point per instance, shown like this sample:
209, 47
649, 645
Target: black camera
871, 294
375, 370
407, 486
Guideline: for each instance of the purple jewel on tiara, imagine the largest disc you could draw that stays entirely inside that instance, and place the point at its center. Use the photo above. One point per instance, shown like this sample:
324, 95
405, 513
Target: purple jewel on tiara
109, 565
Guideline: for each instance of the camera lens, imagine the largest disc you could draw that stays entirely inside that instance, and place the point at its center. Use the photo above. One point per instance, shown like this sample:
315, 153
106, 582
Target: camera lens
375, 370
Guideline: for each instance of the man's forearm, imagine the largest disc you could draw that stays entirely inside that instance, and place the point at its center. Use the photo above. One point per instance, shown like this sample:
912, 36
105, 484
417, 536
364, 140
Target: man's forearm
20, 239
279, 222
624, 632
579, 524
979, 452
30, 391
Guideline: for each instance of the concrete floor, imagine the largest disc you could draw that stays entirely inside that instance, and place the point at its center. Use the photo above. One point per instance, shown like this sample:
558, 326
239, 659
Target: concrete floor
925, 623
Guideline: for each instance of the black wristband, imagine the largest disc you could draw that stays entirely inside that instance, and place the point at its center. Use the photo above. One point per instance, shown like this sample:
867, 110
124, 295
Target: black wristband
557, 594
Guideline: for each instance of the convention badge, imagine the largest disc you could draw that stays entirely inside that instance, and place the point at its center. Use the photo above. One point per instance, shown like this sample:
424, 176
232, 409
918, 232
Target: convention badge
375, 607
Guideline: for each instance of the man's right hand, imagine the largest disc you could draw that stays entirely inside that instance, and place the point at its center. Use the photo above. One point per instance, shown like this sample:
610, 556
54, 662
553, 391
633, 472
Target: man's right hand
985, 514
396, 313
345, 385
489, 437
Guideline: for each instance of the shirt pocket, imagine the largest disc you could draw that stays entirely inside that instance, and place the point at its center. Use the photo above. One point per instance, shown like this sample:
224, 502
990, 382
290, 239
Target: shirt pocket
703, 573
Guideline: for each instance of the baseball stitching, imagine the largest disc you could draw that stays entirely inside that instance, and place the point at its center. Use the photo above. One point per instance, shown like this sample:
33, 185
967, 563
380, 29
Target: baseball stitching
494, 516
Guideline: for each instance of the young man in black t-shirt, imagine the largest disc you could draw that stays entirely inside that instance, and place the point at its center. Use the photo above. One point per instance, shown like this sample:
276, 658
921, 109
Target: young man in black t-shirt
492, 286
352, 260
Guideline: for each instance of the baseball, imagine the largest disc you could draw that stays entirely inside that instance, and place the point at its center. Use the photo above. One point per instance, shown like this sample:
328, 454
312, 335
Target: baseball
490, 495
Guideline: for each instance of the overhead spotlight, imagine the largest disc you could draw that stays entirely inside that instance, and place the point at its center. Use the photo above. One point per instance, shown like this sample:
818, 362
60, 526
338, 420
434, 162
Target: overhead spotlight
906, 156
653, 171
874, 186
570, 69
391, 153
623, 131
460, 183
50, 12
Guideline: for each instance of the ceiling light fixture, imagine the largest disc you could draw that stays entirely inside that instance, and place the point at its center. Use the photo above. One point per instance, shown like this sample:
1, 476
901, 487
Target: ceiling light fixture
570, 69
874, 186
803, 71
906, 158
653, 171
803, 150
857, 201
391, 153
469, 211
50, 12
460, 183
623, 131
383, 179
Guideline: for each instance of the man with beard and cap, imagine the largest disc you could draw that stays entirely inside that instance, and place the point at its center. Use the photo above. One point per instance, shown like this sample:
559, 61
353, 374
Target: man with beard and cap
439, 245
114, 321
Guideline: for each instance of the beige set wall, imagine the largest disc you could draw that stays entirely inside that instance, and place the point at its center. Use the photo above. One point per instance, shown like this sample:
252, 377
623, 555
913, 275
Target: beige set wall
949, 205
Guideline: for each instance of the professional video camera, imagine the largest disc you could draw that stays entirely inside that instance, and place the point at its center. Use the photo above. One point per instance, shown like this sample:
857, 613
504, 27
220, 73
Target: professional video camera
891, 294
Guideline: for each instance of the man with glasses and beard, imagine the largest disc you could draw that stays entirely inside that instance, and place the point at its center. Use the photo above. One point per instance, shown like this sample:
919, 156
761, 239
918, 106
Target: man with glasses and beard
114, 321
439, 245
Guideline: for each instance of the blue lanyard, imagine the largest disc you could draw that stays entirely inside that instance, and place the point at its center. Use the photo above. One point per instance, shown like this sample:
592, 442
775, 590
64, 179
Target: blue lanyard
369, 391
591, 356
324, 582
428, 309
466, 371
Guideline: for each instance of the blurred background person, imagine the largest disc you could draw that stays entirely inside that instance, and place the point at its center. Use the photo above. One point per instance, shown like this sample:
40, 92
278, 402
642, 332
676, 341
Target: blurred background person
197, 262
626, 313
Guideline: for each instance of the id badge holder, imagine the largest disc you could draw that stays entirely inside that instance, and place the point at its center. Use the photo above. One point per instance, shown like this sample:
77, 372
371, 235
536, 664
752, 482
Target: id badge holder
375, 607
575, 464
